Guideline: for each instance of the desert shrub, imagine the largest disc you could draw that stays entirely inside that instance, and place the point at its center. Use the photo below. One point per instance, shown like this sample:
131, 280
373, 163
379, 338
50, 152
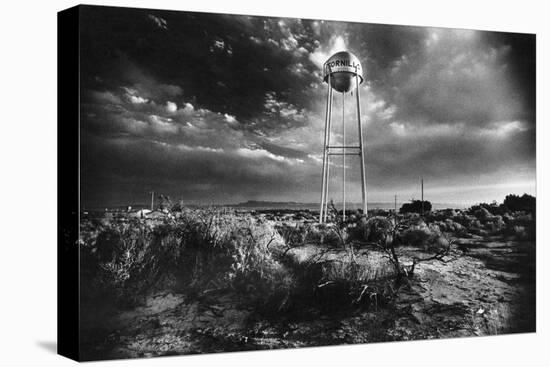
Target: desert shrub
117, 263
526, 203
426, 237
334, 284
464, 219
253, 266
323, 235
293, 234
453, 227
304, 234
228, 251
338, 284
523, 219
441, 215
373, 269
201, 250
492, 208
164, 202
347, 283
496, 224
519, 225
377, 230
178, 206
379, 212
520, 232
415, 206
482, 214
450, 226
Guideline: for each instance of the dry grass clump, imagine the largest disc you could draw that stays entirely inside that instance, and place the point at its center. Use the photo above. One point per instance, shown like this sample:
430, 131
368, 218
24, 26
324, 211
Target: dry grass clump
200, 251
375, 230
374, 268
347, 283
426, 237
295, 235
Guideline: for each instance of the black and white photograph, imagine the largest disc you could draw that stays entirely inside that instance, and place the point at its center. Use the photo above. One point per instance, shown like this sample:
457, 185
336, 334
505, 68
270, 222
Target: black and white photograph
274, 184
251, 183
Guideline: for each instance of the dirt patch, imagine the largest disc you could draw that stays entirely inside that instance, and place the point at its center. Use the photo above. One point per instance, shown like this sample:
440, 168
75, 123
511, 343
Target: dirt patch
487, 290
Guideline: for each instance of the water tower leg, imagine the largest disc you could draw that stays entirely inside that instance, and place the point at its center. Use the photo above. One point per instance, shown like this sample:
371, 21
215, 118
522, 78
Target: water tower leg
343, 157
327, 180
325, 155
361, 150
327, 177
323, 183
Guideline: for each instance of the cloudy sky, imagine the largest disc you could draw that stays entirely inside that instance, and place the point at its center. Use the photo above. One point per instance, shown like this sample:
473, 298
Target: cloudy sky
217, 109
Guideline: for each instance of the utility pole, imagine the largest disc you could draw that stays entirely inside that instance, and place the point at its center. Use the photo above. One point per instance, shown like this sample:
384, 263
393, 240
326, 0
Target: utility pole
422, 190
395, 210
152, 200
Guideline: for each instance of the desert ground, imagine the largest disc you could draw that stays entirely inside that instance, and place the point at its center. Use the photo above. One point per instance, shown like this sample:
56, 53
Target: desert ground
209, 280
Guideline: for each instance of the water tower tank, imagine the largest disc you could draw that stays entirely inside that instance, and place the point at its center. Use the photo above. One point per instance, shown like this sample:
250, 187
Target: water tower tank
342, 68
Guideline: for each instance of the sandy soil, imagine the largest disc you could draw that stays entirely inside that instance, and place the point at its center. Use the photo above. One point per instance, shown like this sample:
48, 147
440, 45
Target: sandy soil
488, 289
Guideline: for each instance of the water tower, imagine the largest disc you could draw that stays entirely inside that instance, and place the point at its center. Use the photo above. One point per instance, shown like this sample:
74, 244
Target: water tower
343, 73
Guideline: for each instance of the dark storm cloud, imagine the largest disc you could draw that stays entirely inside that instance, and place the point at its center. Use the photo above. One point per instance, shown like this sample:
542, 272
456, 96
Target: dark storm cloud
227, 63
224, 108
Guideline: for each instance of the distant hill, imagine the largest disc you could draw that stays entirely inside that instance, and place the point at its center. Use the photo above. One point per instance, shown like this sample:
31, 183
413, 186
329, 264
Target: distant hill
273, 205
266, 205
262, 205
